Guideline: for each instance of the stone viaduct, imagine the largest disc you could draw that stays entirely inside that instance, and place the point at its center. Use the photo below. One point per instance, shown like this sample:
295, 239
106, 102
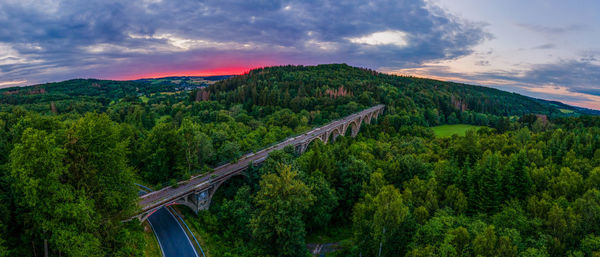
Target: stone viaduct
198, 191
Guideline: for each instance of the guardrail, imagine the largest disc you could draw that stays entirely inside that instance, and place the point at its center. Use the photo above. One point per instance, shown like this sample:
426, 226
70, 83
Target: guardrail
189, 230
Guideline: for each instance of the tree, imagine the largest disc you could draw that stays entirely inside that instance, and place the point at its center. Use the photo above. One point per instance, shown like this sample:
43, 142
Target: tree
419, 192
197, 146
568, 183
588, 206
162, 155
459, 238
98, 169
485, 242
320, 213
378, 223
485, 183
562, 223
534, 252
50, 211
280, 204
516, 179
3, 249
590, 245
236, 214
97, 163
229, 151
406, 167
455, 199
376, 183
349, 185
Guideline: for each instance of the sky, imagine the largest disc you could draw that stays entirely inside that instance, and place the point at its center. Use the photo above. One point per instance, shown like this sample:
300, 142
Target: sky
547, 49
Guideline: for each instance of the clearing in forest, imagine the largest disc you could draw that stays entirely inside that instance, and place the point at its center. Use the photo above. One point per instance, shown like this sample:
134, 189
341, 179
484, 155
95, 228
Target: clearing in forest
449, 130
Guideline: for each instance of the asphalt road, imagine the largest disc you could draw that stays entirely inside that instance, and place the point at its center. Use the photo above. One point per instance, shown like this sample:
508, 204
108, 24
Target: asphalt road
172, 239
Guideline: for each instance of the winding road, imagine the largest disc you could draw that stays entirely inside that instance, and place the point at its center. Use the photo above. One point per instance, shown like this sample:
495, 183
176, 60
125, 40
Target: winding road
172, 239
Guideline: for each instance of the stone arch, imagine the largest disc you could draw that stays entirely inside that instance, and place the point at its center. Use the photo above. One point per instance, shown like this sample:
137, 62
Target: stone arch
186, 201
192, 198
343, 128
315, 138
199, 200
355, 124
376, 114
348, 129
304, 146
334, 134
216, 186
300, 148
144, 216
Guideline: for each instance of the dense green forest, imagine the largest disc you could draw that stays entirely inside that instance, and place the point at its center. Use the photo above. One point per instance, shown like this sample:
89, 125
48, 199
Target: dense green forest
526, 184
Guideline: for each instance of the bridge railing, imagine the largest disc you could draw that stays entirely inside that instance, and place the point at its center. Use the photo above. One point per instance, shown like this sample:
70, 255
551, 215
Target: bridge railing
219, 164
280, 142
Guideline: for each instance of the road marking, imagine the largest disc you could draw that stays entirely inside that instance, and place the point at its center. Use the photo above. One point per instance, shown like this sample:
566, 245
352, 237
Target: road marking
186, 236
188, 229
157, 239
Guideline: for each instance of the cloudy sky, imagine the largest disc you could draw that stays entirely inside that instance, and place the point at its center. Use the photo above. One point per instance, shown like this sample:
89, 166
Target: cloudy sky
543, 48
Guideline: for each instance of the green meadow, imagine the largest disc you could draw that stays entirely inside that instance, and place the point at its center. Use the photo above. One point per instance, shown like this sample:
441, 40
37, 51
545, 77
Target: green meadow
449, 130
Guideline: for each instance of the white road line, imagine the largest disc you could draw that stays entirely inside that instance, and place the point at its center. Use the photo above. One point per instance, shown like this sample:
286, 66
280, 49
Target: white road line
186, 236
157, 239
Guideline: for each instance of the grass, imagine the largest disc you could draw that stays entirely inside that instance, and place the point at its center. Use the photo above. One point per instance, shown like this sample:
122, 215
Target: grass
329, 235
144, 98
157, 81
455, 129
152, 248
340, 234
194, 223
170, 93
565, 111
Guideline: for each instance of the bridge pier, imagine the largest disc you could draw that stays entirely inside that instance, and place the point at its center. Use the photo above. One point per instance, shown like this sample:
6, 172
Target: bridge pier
198, 196
332, 134
196, 201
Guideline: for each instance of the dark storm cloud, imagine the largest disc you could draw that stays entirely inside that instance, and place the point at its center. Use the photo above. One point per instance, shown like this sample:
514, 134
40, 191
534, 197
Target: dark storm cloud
51, 40
577, 75
570, 81
572, 74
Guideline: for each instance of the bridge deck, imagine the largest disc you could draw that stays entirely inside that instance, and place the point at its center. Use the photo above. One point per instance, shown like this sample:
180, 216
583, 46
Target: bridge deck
198, 183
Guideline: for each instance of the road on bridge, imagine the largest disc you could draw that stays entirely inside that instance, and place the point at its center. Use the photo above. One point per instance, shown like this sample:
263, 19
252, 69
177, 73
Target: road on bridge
154, 200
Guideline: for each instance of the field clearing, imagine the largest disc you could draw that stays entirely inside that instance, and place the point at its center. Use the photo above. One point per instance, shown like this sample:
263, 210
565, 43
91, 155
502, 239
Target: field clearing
565, 111
455, 129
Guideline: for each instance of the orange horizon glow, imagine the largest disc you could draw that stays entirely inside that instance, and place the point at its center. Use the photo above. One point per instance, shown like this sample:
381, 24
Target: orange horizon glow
192, 73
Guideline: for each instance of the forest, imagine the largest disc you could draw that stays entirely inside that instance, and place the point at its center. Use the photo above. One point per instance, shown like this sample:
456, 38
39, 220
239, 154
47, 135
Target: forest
526, 183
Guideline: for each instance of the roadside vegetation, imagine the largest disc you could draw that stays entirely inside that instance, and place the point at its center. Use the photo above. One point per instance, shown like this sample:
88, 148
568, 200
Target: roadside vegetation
152, 248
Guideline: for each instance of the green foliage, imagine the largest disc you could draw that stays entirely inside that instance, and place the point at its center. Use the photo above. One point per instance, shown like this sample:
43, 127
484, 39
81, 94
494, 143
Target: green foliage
98, 165
49, 209
277, 222
162, 155
196, 145
524, 184
379, 222
321, 212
